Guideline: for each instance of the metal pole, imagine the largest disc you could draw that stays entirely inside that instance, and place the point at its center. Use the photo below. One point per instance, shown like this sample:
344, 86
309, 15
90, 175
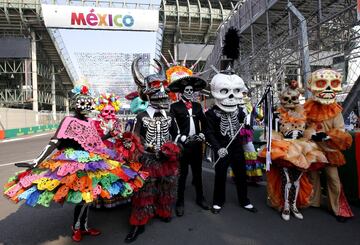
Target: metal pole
53, 94
27, 79
34, 77
304, 46
67, 106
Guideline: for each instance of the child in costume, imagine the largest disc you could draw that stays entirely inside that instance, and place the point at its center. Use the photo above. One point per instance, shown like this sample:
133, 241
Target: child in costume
292, 154
157, 130
326, 127
107, 125
80, 171
254, 167
107, 105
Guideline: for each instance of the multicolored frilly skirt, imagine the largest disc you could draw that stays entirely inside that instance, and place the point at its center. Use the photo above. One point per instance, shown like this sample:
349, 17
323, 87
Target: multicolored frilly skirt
254, 168
76, 176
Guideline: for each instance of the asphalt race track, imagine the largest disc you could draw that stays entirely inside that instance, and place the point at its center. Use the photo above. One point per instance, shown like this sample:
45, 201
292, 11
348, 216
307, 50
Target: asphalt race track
20, 224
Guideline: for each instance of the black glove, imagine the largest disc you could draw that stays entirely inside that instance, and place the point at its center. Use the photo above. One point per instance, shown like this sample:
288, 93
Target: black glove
318, 137
26, 165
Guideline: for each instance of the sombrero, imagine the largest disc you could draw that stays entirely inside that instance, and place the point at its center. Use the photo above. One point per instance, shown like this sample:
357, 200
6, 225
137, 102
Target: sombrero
179, 77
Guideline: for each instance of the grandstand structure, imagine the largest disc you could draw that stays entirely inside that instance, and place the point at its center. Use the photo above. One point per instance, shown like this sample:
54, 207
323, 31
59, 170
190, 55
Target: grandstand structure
282, 40
191, 22
40, 77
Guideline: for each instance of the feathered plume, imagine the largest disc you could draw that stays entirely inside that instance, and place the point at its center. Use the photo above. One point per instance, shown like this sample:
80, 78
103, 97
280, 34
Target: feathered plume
231, 47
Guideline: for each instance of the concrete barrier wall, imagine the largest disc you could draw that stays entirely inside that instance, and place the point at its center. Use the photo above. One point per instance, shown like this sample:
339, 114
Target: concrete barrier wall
20, 118
17, 118
17, 122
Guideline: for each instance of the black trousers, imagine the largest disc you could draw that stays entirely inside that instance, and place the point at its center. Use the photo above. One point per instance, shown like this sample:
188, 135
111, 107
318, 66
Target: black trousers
81, 213
191, 155
236, 160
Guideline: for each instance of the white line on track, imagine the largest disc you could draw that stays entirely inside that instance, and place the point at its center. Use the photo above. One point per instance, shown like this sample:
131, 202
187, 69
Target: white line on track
26, 138
12, 163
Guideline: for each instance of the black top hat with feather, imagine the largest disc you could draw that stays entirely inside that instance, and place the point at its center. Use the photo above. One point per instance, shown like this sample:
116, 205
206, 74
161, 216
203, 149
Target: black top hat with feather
230, 51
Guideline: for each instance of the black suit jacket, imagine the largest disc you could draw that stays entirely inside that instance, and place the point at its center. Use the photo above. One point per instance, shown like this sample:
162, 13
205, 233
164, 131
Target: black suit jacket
179, 111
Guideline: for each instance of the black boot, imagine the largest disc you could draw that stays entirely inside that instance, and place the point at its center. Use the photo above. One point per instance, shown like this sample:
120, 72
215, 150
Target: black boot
179, 210
135, 231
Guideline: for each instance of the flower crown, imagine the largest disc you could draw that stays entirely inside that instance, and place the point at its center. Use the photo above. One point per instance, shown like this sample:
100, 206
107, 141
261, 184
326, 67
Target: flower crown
105, 99
82, 89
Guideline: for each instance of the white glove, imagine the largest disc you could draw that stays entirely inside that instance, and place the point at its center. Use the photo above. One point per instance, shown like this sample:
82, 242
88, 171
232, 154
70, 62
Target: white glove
222, 152
183, 138
202, 136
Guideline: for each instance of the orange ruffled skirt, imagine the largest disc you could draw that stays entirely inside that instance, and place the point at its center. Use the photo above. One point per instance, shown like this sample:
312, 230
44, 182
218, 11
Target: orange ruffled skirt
294, 153
276, 196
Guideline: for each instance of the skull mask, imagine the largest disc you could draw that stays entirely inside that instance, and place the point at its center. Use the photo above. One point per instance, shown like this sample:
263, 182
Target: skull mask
82, 104
289, 99
188, 93
227, 90
108, 112
153, 87
324, 85
138, 105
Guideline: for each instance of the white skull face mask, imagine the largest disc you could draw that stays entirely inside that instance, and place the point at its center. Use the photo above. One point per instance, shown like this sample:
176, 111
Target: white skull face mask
324, 84
289, 99
227, 90
188, 93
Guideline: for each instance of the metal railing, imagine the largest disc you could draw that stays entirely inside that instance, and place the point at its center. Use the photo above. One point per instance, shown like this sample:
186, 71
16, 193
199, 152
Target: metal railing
13, 97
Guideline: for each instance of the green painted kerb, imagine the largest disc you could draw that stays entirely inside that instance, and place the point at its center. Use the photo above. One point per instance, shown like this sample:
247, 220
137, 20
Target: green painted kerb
15, 132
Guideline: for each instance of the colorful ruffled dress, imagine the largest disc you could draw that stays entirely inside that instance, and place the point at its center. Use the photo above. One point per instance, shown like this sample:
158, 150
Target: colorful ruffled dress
302, 154
102, 130
81, 171
254, 167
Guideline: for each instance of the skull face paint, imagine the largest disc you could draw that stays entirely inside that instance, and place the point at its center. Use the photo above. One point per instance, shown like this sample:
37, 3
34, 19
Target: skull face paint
83, 104
324, 84
227, 91
188, 93
108, 112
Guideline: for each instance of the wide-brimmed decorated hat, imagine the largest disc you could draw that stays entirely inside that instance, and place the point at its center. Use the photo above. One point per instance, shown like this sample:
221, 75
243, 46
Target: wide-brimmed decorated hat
179, 76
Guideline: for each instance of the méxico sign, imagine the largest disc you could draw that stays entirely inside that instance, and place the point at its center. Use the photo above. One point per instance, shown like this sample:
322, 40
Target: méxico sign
76, 17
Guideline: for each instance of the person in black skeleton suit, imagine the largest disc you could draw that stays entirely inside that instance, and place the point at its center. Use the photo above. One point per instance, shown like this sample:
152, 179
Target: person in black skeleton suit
223, 123
191, 122
156, 129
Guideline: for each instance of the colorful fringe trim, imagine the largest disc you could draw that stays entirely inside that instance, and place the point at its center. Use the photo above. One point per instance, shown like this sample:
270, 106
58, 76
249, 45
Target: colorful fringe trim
75, 176
158, 195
